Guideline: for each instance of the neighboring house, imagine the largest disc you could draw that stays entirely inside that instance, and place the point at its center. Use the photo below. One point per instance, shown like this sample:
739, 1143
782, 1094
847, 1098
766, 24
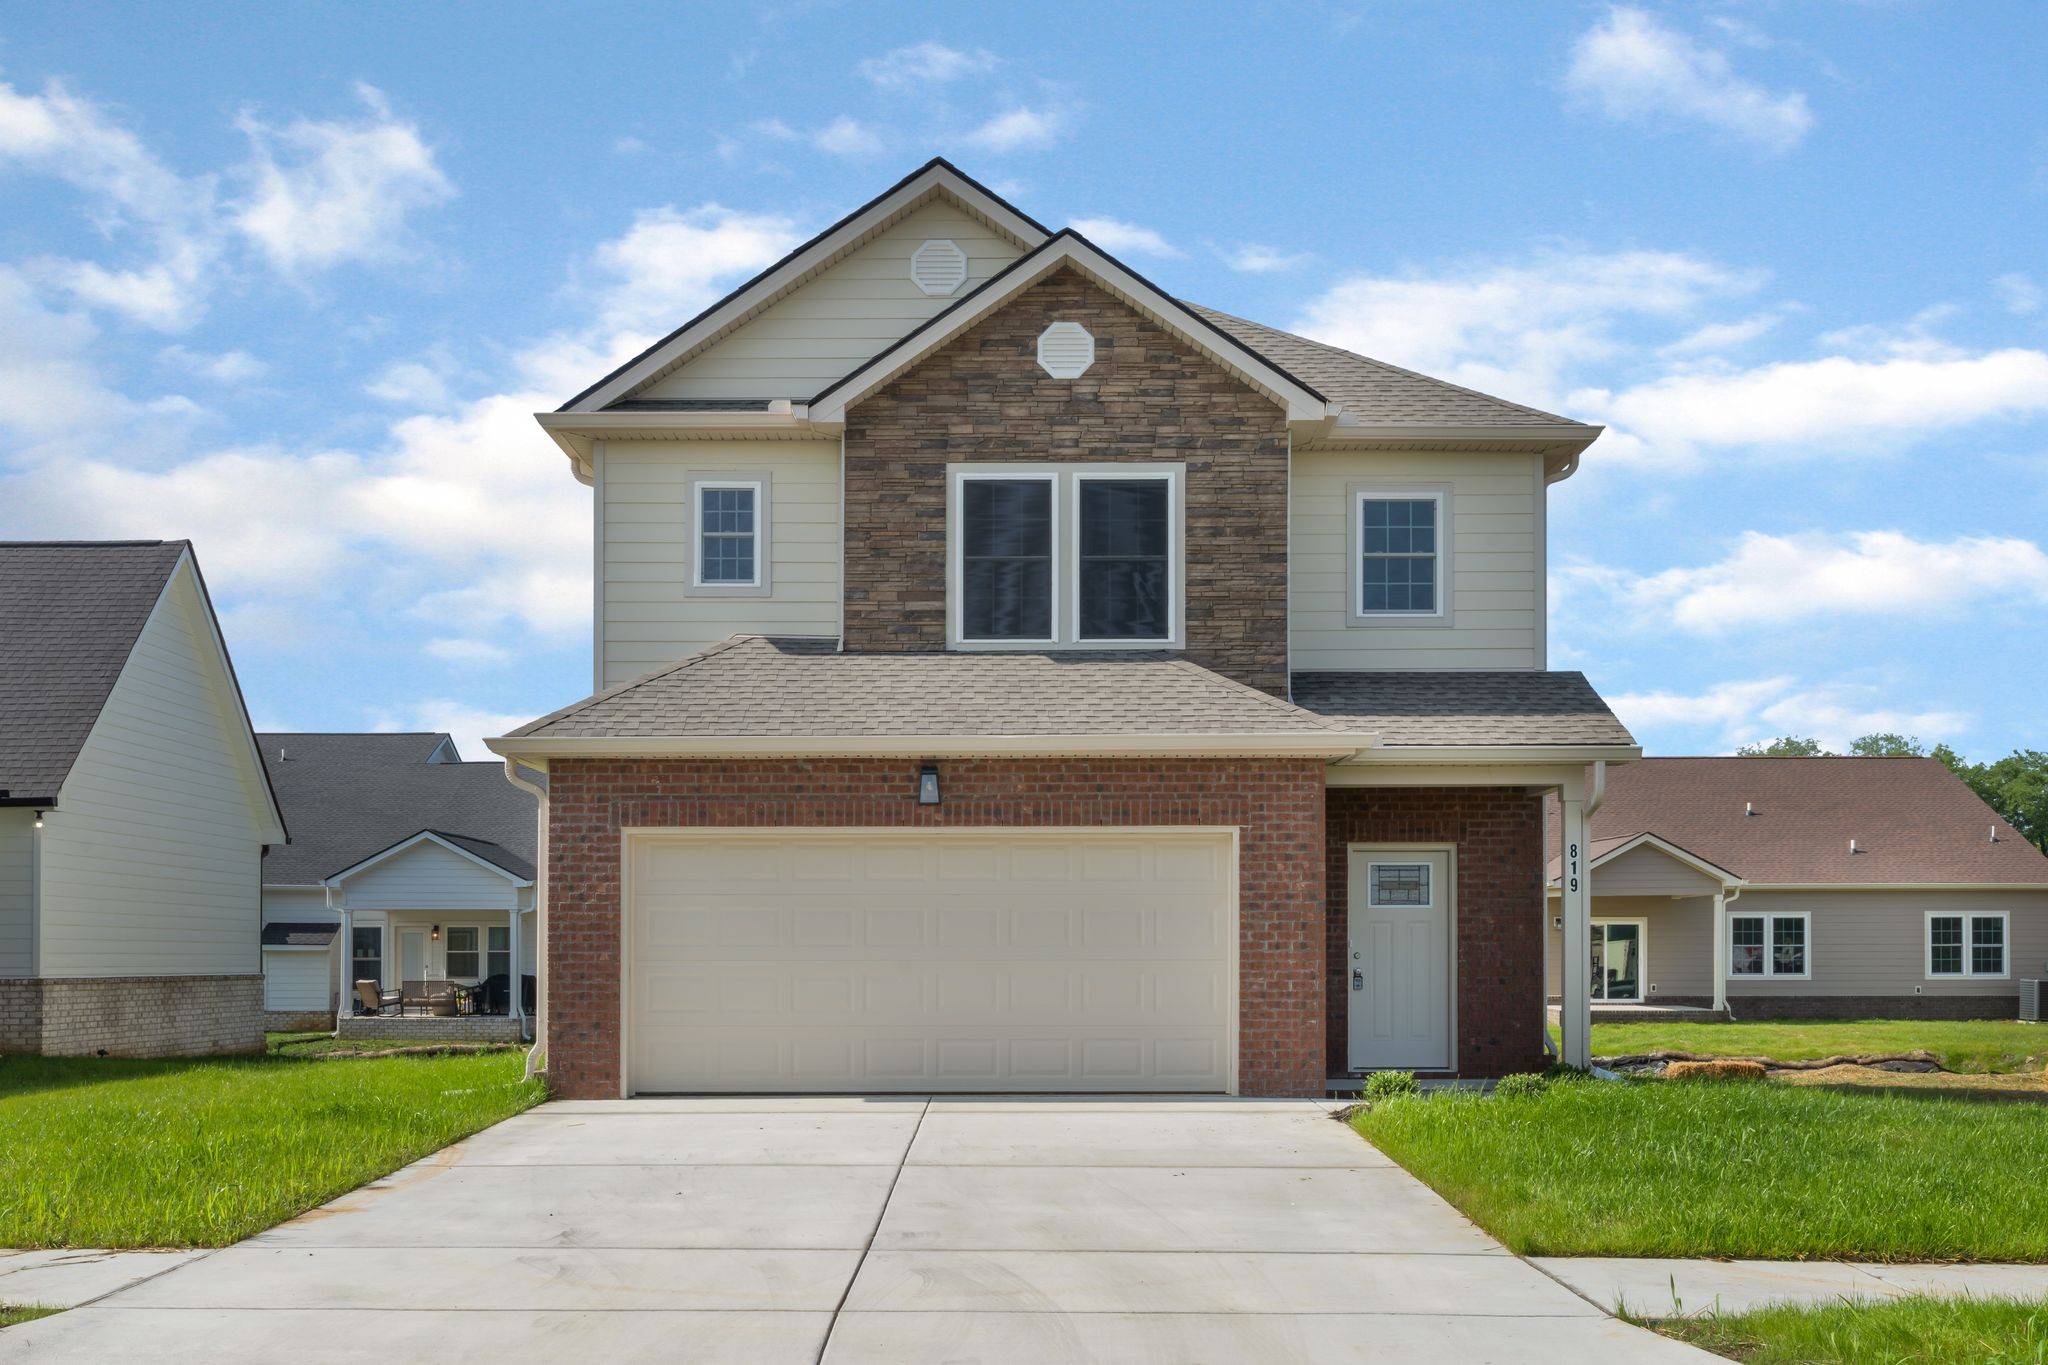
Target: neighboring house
422, 864
1011, 677
134, 812
1845, 887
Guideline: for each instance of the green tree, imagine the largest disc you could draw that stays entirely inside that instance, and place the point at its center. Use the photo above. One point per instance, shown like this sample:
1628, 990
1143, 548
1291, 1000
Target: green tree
1785, 746
1888, 746
2015, 786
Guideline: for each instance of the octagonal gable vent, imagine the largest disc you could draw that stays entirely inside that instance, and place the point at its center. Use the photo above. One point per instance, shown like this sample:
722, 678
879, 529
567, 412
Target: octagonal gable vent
938, 266
1066, 350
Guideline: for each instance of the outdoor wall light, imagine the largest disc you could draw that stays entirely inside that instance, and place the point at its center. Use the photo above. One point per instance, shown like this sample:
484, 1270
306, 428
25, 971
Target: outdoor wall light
39, 819
437, 933
928, 785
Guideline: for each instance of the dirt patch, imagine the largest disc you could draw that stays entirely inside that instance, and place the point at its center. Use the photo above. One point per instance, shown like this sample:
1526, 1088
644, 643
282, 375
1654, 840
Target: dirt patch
1720, 1069
2029, 1087
1659, 1063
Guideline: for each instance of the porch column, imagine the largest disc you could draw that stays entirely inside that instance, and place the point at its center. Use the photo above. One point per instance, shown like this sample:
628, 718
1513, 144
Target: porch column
1575, 902
514, 985
1721, 950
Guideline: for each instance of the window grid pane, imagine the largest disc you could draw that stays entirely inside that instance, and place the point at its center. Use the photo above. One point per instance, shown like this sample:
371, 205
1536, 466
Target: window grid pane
1006, 559
1746, 938
462, 955
1945, 945
726, 535
1788, 946
1987, 945
1124, 567
1397, 547
497, 951
1399, 884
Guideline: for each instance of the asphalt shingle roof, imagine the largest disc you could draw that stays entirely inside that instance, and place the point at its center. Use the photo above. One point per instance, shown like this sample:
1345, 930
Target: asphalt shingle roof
1912, 819
350, 796
803, 686
70, 613
298, 934
1376, 393
1463, 708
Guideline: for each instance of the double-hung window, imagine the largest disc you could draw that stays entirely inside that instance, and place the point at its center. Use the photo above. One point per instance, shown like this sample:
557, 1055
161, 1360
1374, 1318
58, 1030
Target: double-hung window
1399, 555
728, 535
1770, 945
1963, 944
498, 951
462, 954
366, 954
1065, 557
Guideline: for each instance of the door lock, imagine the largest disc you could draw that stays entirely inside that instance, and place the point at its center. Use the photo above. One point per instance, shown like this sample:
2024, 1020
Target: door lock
1357, 979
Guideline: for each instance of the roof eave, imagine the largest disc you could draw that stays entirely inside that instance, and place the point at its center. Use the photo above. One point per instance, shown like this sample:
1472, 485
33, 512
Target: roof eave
1500, 753
1330, 747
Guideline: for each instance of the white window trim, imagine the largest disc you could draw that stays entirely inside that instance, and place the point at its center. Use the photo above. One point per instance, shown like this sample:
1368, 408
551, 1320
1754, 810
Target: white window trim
700, 483
1770, 971
1358, 494
383, 958
1065, 481
483, 950
448, 946
1969, 919
1642, 960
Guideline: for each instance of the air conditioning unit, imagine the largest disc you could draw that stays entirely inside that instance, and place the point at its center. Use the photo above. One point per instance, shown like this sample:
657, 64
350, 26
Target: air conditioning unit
2030, 1000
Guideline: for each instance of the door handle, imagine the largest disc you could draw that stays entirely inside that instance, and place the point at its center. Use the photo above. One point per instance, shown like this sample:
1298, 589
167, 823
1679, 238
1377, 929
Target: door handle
1357, 980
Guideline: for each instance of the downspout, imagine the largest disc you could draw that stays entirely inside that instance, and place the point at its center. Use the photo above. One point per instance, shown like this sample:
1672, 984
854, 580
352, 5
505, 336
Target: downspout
1728, 897
540, 919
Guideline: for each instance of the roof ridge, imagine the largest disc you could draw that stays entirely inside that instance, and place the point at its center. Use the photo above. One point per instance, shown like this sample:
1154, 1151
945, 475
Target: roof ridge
1386, 365
1282, 704
687, 661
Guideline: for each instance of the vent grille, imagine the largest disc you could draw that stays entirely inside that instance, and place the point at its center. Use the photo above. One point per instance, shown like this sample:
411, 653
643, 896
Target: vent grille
1066, 350
2030, 1001
938, 267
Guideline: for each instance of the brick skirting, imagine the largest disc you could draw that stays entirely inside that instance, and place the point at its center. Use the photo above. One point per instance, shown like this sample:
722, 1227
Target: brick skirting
1500, 912
427, 1028
298, 1021
1277, 804
132, 1016
1875, 1006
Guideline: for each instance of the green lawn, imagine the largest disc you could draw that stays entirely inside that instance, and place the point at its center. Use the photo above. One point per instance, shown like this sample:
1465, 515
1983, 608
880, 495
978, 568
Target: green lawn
1737, 1169
327, 1045
1915, 1331
1964, 1045
10, 1316
104, 1152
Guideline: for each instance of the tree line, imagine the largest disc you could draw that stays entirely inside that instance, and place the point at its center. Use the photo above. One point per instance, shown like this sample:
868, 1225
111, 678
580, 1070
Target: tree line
2015, 786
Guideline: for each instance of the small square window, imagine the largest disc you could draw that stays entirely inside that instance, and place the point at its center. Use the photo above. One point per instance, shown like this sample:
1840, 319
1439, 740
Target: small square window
1399, 884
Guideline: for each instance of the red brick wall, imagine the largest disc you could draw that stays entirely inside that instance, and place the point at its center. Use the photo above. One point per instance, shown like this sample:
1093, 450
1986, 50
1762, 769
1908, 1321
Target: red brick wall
1499, 836
1277, 804
1148, 397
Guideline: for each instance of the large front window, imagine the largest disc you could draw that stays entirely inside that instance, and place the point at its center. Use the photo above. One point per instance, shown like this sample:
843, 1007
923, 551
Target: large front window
1066, 556
1768, 945
1966, 945
1618, 959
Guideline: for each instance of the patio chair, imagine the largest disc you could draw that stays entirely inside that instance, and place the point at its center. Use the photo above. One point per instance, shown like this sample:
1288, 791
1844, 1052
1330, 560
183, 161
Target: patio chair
492, 995
373, 999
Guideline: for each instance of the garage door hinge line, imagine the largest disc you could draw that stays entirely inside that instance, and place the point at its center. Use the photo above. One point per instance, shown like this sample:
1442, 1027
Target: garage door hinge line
873, 1232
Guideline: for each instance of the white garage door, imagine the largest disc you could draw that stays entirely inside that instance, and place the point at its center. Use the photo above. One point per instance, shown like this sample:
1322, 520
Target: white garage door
912, 961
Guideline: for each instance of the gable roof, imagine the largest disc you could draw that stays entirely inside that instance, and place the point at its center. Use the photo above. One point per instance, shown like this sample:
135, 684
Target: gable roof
71, 613
1914, 822
1464, 708
350, 797
1603, 851
800, 695
485, 854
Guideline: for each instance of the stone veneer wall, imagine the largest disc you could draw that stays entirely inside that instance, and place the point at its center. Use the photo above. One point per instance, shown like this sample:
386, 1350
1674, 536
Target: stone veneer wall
1277, 804
1500, 912
416, 1028
132, 1016
1148, 397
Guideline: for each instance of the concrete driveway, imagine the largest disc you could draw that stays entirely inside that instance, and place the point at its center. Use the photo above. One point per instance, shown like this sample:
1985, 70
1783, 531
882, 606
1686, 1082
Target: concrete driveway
885, 1230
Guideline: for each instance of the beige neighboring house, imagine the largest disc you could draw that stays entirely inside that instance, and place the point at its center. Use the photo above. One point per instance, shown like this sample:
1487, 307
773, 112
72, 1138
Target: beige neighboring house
1809, 887
134, 811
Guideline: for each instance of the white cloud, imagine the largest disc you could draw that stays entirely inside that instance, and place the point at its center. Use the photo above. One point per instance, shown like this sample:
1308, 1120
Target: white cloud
1727, 715
1113, 234
628, 146
2018, 293
924, 64
1516, 329
1018, 130
410, 383
1254, 259
1716, 337
848, 137
223, 367
672, 263
1781, 580
1631, 67
469, 653
50, 387
321, 193
1831, 404
467, 725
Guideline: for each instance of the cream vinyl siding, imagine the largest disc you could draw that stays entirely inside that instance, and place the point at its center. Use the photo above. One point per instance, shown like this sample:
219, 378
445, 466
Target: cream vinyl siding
151, 863
844, 315
296, 905
17, 871
1875, 942
649, 617
1678, 942
1648, 871
1495, 540
429, 877
298, 979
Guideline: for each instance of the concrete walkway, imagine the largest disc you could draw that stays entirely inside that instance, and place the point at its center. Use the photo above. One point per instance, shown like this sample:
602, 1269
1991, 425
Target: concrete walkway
1658, 1288
852, 1231
69, 1277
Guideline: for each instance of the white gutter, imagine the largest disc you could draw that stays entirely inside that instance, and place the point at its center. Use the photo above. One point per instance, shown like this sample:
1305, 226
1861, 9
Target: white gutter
1307, 745
540, 924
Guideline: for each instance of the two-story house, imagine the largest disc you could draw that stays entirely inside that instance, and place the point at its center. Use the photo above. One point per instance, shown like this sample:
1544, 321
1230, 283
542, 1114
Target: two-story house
1011, 677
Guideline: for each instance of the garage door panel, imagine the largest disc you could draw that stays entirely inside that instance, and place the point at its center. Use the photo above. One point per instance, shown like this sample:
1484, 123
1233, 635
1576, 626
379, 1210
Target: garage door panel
884, 961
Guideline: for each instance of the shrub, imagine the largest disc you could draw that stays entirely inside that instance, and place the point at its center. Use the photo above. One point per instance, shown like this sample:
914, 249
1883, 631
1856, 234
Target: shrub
1521, 1086
1386, 1085
1725, 1069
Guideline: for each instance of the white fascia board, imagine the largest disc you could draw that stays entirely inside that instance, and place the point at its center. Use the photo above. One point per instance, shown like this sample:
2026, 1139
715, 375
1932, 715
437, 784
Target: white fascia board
1580, 436
1302, 404
425, 836
1410, 755
765, 288
1673, 852
1326, 747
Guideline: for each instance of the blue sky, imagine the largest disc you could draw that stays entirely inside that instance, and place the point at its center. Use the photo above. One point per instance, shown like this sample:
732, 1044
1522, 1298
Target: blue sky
288, 281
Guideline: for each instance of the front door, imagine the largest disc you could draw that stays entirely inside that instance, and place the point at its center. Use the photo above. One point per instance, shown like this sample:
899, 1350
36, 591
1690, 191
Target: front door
412, 955
1617, 960
1400, 959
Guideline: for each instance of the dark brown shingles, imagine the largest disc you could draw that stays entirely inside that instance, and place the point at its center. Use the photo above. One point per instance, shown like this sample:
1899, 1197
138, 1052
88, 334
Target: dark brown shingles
1463, 708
